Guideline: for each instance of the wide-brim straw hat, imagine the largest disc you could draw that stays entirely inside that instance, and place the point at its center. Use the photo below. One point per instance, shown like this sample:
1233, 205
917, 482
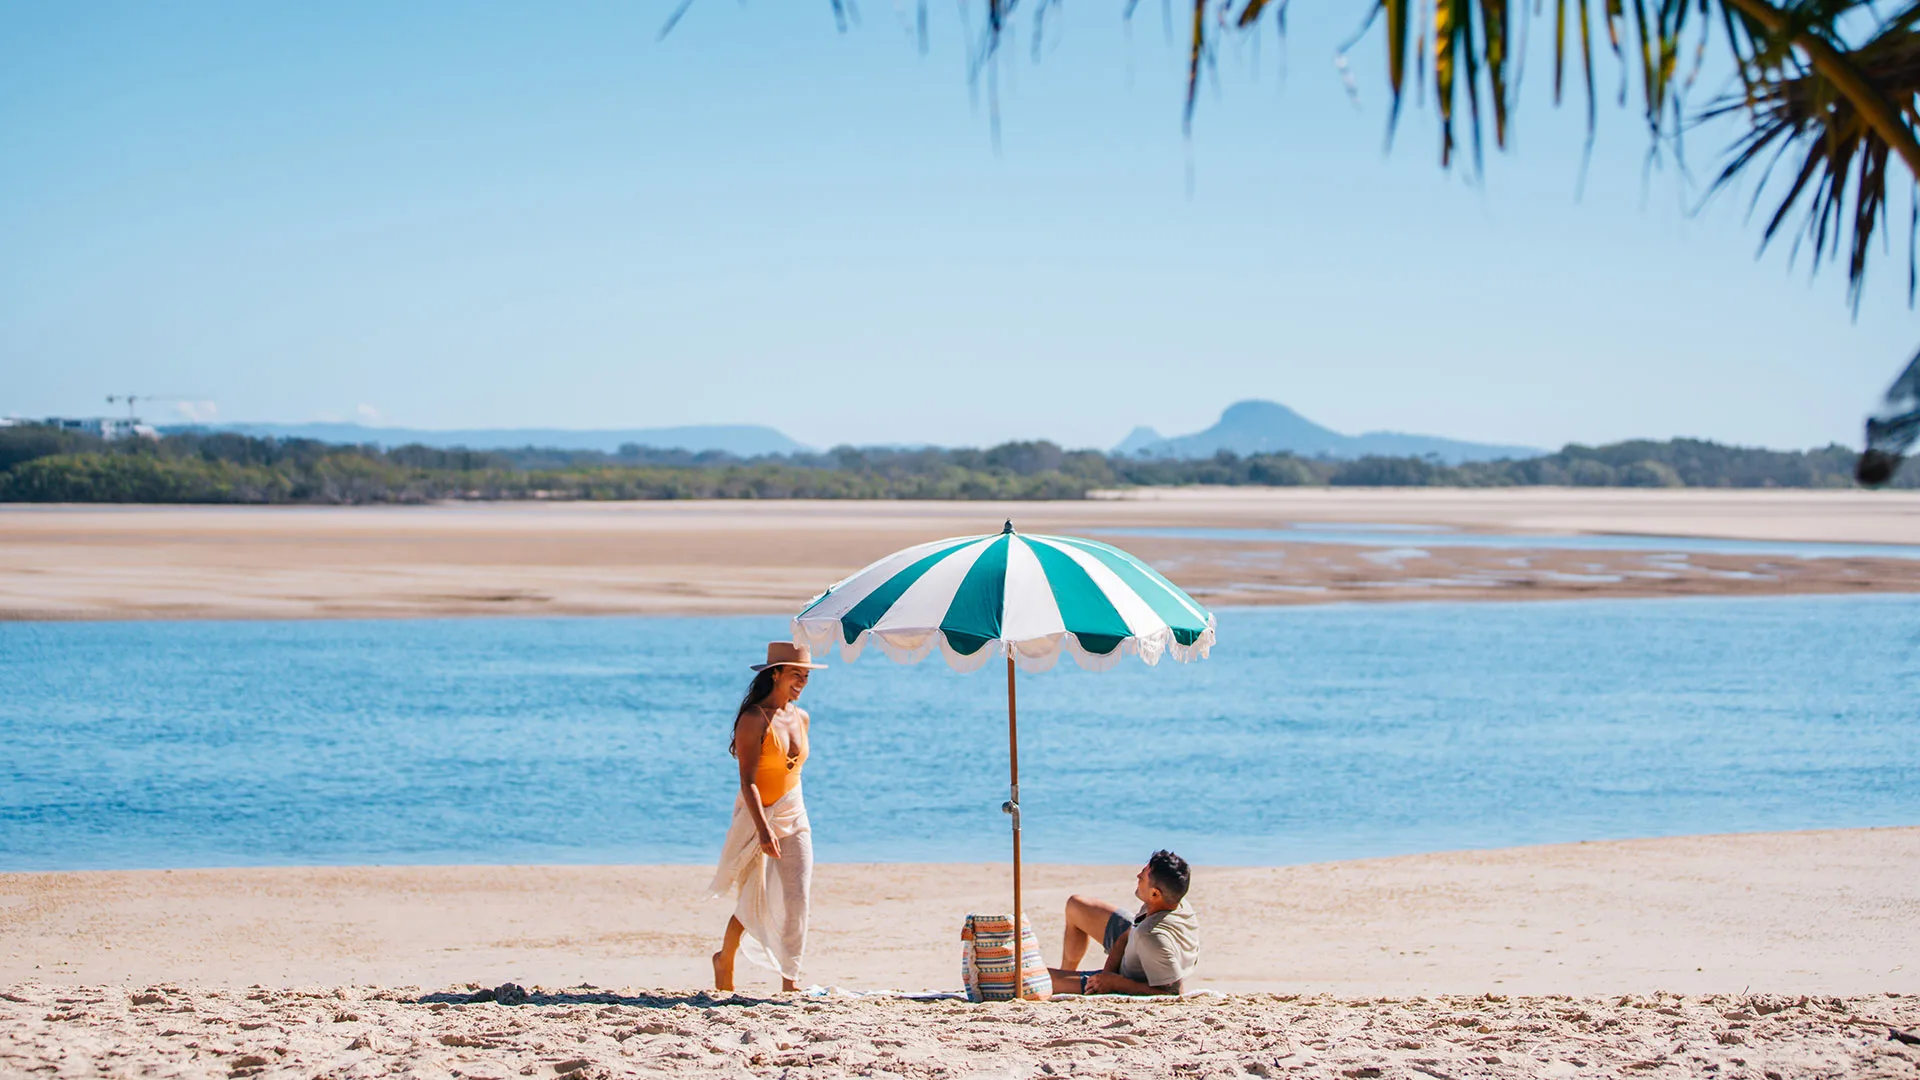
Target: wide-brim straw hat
787, 654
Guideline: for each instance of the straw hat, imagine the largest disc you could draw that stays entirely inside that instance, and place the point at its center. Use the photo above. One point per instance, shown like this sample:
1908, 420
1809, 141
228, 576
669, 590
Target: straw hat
787, 654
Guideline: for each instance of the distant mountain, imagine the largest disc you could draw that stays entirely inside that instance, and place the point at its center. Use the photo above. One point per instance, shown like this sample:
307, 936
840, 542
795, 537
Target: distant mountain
743, 440
1267, 427
1137, 440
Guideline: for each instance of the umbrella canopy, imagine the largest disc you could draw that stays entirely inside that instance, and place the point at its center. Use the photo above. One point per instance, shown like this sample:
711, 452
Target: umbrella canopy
1030, 597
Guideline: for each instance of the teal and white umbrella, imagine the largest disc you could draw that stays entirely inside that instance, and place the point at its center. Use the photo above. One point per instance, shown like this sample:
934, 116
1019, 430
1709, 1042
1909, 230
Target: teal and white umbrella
1025, 597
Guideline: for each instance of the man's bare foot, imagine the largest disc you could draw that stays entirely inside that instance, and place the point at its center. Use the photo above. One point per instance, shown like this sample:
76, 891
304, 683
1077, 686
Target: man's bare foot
722, 971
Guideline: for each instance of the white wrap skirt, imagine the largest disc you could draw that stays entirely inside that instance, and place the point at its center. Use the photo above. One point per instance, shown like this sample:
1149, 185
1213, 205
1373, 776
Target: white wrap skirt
775, 895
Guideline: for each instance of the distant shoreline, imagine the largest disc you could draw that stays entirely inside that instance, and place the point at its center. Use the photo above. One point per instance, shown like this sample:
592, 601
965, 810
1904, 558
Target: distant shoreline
68, 562
56, 463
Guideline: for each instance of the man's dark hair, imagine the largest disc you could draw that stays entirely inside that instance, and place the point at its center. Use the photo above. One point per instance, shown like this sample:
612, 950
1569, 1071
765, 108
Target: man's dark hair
1169, 874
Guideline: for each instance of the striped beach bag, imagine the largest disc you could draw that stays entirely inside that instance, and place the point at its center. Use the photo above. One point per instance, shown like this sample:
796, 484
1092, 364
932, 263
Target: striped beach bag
993, 969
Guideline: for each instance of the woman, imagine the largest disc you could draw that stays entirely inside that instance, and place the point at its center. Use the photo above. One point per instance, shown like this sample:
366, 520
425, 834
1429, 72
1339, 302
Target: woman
770, 832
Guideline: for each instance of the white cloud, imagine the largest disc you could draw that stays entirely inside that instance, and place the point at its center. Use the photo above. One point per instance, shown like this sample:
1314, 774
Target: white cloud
368, 413
198, 412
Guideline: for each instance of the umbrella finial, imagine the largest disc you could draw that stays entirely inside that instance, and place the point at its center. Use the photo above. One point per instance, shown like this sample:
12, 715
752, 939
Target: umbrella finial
1008, 529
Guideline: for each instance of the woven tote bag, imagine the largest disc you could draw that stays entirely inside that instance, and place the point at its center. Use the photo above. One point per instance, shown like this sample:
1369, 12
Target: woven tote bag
991, 966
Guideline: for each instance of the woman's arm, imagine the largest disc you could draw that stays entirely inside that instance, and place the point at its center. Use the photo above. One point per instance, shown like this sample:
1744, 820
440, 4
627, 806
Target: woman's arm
749, 735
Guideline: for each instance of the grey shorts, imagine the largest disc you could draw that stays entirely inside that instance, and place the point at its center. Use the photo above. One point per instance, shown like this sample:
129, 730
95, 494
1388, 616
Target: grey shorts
1117, 924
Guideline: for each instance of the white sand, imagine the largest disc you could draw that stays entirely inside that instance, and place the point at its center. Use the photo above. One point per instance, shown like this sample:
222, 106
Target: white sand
589, 1034
1811, 912
1796, 952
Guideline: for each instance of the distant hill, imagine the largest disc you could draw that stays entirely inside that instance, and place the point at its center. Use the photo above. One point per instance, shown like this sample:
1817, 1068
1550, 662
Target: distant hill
1138, 440
741, 440
1267, 427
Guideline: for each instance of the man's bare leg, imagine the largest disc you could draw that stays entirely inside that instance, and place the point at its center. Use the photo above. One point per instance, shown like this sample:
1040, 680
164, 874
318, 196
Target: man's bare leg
723, 960
1086, 921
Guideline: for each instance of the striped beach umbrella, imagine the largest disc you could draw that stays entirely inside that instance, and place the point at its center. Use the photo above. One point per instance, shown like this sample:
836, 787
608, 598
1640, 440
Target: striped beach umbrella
1024, 598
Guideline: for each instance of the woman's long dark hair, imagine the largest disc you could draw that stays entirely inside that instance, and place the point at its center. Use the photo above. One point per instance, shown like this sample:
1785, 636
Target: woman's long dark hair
757, 692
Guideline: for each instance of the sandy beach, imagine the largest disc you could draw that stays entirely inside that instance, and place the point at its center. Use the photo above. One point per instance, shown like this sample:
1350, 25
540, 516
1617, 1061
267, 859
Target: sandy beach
1768, 956
138, 562
1789, 953
588, 1033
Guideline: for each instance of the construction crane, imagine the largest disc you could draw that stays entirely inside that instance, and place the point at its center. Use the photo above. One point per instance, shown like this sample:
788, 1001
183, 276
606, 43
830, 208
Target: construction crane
131, 399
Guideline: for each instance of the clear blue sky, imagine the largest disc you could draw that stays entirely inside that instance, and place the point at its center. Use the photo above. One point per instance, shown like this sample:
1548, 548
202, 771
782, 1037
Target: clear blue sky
459, 215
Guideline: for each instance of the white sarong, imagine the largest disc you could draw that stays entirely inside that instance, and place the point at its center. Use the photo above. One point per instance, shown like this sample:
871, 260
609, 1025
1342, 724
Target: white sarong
775, 914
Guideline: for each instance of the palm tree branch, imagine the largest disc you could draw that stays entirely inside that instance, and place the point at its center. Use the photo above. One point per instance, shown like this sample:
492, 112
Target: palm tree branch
1838, 69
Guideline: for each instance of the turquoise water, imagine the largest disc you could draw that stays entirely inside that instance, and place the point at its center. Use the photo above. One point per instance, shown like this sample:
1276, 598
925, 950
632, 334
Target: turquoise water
1385, 535
1313, 733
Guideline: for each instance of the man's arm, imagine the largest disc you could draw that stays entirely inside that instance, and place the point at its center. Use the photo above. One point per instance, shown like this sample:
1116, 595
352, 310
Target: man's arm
1112, 982
1156, 959
1114, 954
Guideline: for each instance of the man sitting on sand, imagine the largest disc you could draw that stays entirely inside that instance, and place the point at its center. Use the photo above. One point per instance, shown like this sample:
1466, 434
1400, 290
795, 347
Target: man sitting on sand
1150, 953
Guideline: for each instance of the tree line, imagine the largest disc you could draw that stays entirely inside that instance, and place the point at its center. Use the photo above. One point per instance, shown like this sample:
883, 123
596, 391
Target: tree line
43, 464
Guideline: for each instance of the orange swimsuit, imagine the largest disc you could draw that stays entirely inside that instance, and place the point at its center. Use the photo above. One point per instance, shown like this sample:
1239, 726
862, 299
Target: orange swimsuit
779, 770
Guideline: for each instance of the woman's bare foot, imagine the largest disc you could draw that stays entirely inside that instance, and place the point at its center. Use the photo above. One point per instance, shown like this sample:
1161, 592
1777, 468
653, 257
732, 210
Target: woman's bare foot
788, 986
722, 970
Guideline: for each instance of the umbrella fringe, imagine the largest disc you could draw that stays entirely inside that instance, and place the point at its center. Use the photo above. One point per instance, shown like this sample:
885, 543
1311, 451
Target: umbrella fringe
1033, 656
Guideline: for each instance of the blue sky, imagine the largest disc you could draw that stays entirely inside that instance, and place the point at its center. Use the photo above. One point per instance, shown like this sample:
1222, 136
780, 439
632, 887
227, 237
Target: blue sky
441, 215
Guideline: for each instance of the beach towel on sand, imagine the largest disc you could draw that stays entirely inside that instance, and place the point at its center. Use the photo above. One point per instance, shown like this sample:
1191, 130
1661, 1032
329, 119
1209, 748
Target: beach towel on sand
774, 912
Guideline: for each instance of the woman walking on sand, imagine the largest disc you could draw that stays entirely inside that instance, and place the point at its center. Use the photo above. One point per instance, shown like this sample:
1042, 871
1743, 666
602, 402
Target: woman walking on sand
769, 836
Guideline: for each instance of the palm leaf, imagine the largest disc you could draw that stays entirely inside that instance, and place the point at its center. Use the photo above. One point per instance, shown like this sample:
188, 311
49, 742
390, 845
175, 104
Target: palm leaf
1824, 118
1193, 60
1839, 183
1893, 431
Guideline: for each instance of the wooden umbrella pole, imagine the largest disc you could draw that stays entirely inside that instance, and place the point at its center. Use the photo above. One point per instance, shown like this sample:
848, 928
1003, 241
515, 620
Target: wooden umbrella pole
1013, 805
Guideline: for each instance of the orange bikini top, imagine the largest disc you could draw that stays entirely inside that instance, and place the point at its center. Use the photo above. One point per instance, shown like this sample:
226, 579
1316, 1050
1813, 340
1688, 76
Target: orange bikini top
779, 766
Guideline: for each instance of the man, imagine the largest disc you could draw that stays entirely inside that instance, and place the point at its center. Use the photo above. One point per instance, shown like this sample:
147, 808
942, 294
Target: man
1150, 953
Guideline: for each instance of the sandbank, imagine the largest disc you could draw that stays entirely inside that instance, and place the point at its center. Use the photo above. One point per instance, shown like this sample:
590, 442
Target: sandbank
132, 562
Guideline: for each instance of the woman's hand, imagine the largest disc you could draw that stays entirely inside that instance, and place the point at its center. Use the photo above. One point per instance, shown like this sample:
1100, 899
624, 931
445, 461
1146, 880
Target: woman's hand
770, 846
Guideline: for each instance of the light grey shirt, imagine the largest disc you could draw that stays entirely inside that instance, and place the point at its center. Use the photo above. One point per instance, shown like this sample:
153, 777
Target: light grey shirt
1163, 947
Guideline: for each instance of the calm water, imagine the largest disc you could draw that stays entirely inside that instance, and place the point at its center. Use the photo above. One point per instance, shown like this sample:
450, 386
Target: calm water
1313, 733
1384, 535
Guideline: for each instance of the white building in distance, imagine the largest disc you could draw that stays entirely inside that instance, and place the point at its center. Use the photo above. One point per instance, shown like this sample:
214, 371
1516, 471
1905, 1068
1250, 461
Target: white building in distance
107, 428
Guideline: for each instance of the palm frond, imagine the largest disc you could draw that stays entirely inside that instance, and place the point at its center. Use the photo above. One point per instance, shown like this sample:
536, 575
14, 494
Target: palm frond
1840, 173
1197, 49
1828, 126
1894, 429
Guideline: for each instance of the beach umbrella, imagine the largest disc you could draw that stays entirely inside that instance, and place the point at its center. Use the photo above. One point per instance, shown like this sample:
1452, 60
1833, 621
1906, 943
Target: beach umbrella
1024, 598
